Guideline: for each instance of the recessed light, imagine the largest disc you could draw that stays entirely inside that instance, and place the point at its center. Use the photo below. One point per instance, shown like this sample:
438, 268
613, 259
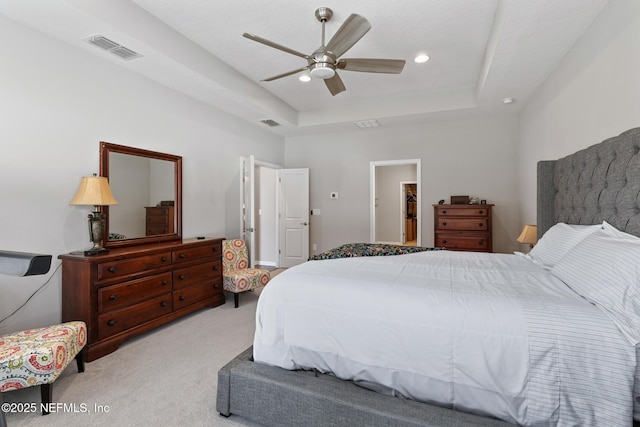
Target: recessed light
508, 100
421, 59
305, 78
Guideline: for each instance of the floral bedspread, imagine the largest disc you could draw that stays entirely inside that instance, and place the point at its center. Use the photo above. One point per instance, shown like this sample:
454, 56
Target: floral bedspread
351, 250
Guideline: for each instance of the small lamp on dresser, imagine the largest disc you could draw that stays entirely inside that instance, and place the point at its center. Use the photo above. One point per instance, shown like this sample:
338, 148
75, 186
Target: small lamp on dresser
529, 235
94, 190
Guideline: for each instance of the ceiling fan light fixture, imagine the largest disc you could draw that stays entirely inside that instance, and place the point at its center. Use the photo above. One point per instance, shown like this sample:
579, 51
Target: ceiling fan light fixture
322, 71
305, 78
421, 58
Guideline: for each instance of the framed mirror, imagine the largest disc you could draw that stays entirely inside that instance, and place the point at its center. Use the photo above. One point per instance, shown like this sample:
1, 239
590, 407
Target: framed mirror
148, 188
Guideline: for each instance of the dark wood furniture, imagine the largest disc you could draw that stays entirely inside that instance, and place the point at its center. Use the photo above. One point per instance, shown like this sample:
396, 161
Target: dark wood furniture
135, 289
159, 220
463, 227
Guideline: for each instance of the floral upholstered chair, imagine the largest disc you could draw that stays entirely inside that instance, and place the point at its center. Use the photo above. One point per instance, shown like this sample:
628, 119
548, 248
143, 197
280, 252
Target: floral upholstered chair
237, 276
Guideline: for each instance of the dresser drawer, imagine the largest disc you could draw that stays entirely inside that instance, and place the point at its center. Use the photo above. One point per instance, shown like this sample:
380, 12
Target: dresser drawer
157, 217
187, 296
153, 229
191, 254
133, 291
447, 211
120, 320
466, 224
107, 270
462, 243
185, 277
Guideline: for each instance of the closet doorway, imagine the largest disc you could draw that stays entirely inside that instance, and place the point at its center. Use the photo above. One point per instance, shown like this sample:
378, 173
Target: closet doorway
395, 208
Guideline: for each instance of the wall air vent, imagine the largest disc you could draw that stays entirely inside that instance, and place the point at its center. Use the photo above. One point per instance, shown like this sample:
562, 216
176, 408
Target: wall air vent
113, 47
270, 122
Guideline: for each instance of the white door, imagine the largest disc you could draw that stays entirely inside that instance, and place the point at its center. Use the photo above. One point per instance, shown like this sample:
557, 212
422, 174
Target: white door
247, 191
293, 216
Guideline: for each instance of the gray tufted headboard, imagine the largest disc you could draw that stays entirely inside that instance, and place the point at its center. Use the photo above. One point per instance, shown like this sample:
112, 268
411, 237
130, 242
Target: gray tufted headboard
599, 183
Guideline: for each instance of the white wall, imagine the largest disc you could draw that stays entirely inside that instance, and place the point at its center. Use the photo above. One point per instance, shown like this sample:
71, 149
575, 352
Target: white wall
56, 104
593, 95
474, 157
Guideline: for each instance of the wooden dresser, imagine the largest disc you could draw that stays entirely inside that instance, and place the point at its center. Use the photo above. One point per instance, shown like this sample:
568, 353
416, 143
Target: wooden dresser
463, 227
160, 220
135, 289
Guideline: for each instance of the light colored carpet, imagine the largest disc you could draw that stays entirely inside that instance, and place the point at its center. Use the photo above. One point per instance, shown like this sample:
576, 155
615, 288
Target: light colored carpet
166, 377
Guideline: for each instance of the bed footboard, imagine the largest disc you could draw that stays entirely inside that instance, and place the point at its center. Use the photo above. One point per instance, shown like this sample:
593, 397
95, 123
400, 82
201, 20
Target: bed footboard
272, 396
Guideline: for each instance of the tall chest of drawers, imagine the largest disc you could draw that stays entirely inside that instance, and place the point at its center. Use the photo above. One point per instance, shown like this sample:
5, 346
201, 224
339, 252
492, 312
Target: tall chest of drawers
130, 291
463, 227
159, 220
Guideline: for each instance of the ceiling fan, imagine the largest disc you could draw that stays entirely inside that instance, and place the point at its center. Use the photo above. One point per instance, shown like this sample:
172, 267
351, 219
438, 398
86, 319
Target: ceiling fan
325, 61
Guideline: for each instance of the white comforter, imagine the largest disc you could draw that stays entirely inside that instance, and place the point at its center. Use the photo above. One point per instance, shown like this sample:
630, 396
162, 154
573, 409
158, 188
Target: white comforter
487, 333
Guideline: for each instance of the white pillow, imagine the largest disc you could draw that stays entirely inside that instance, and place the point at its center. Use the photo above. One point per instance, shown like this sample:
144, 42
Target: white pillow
557, 241
606, 271
614, 232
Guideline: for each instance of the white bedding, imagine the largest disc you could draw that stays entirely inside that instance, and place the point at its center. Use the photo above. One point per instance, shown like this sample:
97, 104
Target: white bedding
488, 333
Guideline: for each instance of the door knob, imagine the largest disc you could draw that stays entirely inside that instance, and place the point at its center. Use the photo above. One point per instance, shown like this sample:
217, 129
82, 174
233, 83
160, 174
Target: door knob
304, 223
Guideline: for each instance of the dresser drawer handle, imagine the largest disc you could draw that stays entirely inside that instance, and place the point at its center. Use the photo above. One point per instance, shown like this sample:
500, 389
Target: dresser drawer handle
215, 268
444, 212
480, 224
165, 282
113, 297
182, 256
215, 249
112, 269
444, 224
164, 304
444, 242
111, 322
182, 298
215, 286
164, 259
181, 277
481, 212
481, 242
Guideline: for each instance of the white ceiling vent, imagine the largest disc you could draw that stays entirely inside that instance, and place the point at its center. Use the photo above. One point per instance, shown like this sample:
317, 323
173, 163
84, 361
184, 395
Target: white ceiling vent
270, 122
113, 47
367, 124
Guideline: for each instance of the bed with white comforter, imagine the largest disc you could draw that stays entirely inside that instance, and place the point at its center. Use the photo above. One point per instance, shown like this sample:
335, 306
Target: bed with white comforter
493, 334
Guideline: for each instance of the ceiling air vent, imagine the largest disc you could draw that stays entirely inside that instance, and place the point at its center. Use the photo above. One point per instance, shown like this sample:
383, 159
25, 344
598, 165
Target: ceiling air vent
367, 124
113, 47
270, 122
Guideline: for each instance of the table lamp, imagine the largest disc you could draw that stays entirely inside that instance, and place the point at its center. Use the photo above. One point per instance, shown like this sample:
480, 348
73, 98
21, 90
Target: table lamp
529, 235
94, 190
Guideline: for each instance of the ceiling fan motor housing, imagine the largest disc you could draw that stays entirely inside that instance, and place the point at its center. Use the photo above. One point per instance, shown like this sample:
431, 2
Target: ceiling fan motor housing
322, 64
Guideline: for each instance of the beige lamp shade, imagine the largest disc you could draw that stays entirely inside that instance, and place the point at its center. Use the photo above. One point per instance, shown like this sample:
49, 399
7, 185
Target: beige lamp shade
94, 190
529, 234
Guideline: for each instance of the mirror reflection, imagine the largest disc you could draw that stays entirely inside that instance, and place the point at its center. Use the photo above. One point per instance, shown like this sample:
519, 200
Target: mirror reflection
148, 185
146, 196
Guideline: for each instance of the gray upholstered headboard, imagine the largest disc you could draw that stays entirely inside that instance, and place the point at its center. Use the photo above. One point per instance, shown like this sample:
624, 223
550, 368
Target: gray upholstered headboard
599, 183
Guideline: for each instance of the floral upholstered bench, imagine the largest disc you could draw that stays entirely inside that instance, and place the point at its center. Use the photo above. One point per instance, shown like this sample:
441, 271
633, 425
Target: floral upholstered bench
36, 357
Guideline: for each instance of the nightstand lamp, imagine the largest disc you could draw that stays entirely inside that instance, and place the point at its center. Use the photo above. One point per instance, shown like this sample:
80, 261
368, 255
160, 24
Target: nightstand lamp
529, 235
94, 190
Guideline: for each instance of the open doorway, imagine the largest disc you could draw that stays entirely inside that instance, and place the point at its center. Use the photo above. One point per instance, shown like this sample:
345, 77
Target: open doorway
392, 219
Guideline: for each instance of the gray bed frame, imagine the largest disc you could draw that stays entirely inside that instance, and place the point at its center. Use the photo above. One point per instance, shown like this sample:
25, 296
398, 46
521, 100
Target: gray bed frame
599, 183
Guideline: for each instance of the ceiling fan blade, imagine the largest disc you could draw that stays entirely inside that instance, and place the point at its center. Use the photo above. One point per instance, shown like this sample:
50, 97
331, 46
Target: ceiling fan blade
335, 85
275, 45
371, 65
279, 76
352, 30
